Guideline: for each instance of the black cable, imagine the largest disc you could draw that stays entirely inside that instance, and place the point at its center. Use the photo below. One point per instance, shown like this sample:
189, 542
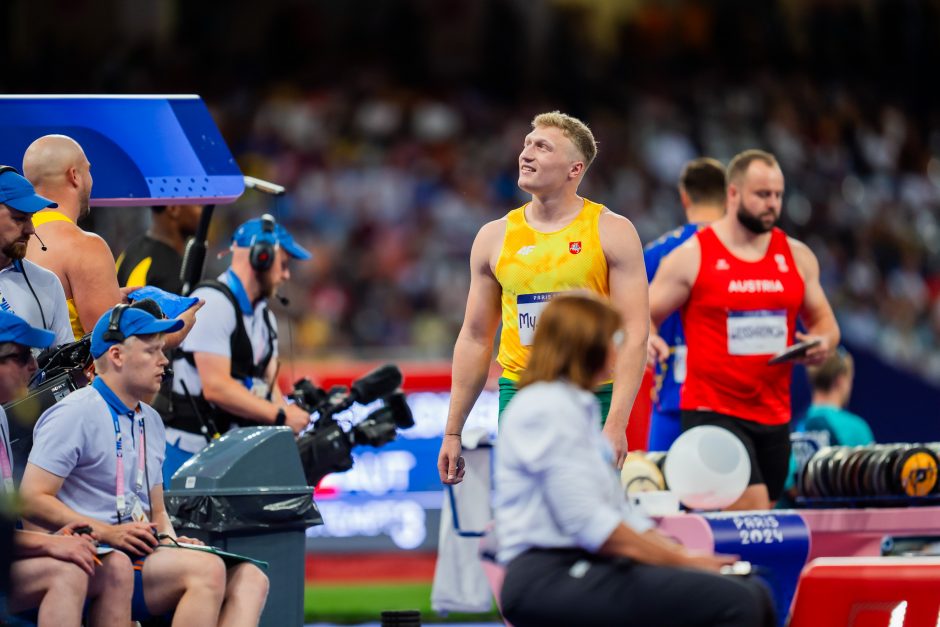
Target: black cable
206, 424
284, 302
30, 286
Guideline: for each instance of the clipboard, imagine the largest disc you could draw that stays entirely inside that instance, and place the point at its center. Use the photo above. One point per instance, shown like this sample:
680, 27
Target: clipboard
794, 351
230, 559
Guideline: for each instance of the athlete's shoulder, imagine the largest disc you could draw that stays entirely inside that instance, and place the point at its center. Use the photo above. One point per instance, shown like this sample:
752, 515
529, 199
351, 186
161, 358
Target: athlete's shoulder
801, 251
798, 247
68, 234
613, 219
804, 257
88, 242
493, 229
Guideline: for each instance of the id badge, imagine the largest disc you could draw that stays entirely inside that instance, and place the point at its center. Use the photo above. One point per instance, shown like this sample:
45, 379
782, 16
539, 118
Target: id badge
678, 363
260, 388
137, 509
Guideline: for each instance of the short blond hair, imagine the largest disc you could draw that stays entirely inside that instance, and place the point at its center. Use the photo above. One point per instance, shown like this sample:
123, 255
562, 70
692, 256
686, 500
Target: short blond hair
574, 129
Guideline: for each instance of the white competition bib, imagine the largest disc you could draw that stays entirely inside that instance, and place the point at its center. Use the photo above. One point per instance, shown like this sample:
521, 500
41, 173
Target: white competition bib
529, 308
678, 363
758, 332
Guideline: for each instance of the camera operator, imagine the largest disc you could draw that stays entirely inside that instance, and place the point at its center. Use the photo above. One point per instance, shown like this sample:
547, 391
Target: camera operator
226, 369
53, 573
28, 290
98, 454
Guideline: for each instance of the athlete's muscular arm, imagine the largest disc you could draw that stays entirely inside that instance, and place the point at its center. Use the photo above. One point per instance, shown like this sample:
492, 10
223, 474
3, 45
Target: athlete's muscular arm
473, 350
670, 290
89, 269
816, 312
629, 293
673, 282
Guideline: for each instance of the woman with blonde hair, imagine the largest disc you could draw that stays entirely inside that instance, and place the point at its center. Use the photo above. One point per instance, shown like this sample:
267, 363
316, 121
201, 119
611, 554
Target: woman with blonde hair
577, 552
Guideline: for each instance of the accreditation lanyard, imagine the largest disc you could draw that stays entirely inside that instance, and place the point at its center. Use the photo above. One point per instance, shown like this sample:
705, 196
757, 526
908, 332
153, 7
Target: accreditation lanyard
119, 455
6, 468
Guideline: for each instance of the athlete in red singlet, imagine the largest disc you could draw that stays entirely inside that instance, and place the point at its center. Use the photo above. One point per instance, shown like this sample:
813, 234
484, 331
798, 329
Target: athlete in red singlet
741, 285
737, 313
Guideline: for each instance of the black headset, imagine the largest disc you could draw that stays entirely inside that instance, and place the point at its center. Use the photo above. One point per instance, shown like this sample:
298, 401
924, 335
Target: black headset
114, 334
263, 246
8, 168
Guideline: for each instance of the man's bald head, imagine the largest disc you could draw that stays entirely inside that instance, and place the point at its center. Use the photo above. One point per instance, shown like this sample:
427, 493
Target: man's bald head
57, 165
49, 158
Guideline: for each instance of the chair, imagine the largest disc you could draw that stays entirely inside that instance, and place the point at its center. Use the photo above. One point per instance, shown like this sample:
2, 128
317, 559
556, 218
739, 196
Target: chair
868, 591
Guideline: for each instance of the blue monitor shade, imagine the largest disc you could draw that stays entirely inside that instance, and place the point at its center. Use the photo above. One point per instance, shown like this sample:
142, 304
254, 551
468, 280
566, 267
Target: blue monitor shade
144, 150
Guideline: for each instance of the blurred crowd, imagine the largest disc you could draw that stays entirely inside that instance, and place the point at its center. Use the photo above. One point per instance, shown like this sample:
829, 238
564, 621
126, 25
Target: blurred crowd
391, 188
396, 127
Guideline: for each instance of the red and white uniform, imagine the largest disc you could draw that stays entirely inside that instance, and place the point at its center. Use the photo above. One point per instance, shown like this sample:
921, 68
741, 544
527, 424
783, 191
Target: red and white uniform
739, 314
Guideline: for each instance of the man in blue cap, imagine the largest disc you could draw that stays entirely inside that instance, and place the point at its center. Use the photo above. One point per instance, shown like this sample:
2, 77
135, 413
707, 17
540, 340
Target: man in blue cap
97, 455
228, 362
53, 573
30, 291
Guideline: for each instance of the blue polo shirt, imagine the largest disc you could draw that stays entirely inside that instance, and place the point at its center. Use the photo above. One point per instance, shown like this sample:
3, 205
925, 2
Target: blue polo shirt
671, 374
5, 443
75, 439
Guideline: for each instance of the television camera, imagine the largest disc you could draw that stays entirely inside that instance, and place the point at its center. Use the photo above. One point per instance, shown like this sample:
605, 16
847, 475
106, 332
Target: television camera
327, 447
62, 370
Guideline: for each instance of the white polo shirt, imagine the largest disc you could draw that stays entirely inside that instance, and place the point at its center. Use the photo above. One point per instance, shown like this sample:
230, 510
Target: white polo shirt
75, 439
556, 486
214, 327
46, 309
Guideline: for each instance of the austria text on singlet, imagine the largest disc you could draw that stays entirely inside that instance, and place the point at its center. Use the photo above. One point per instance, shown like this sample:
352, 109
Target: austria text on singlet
738, 315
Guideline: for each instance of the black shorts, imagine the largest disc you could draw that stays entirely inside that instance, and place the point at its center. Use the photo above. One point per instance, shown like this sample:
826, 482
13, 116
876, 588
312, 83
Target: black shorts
768, 446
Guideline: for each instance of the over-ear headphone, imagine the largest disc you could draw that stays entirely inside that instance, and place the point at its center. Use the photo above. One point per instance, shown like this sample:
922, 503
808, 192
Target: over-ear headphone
8, 168
114, 334
261, 256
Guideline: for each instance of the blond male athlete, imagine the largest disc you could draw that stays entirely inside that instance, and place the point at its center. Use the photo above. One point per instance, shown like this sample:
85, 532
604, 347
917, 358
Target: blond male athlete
557, 242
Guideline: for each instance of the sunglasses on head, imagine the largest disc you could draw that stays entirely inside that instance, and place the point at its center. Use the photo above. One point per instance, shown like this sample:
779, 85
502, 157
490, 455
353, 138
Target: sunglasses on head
21, 356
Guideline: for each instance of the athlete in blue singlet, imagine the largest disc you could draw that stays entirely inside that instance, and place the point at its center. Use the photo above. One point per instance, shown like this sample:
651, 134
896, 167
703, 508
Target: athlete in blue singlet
702, 191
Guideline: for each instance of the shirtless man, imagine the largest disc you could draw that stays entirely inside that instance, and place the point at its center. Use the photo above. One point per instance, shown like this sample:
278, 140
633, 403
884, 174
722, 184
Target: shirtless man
57, 166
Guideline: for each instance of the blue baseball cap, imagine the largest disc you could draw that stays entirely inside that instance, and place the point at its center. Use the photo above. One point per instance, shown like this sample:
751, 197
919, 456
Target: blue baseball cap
18, 193
172, 304
249, 232
133, 322
15, 329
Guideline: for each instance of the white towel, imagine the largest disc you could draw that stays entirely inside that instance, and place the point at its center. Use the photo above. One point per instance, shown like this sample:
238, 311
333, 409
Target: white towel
460, 584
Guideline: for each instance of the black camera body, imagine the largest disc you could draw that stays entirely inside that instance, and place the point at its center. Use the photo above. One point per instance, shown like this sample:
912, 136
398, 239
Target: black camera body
327, 448
61, 372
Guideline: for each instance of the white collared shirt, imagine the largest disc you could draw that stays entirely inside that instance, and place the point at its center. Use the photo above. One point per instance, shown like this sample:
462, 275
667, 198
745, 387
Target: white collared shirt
556, 486
16, 297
